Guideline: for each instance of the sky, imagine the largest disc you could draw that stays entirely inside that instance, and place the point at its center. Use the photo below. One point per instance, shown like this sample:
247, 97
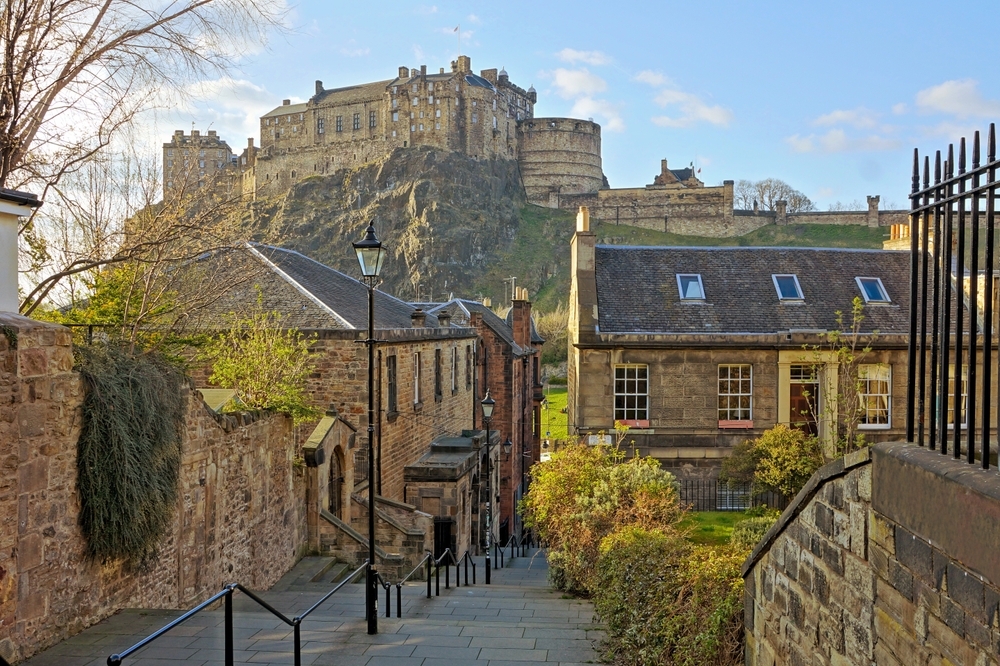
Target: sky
831, 97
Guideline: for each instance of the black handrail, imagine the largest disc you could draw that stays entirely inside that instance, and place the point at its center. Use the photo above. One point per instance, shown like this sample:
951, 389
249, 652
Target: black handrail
466, 559
227, 594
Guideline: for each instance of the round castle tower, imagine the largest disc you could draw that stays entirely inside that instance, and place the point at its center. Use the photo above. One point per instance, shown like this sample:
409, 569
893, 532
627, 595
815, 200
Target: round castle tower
559, 156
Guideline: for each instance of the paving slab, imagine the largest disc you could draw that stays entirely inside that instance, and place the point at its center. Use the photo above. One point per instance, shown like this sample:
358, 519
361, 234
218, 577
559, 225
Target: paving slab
518, 620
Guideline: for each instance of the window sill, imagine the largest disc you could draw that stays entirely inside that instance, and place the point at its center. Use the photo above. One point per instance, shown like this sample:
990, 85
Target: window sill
735, 425
879, 426
454, 391
418, 406
391, 416
642, 423
438, 398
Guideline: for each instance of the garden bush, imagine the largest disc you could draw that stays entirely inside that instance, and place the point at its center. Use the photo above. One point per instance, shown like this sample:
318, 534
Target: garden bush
666, 601
747, 533
781, 460
585, 493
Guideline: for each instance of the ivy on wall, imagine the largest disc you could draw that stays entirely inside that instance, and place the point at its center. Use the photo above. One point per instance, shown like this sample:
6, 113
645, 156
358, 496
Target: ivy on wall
129, 453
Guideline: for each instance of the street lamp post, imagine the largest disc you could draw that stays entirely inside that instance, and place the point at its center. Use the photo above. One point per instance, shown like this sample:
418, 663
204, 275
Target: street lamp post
488, 404
370, 256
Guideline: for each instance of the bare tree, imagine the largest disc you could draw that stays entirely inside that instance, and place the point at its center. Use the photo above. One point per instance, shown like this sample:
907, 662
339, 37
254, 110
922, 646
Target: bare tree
74, 76
766, 193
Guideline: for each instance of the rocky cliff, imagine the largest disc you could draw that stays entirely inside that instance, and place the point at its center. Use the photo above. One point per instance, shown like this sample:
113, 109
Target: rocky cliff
445, 219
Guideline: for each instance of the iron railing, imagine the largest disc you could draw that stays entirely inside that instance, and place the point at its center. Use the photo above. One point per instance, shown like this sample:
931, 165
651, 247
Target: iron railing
227, 594
516, 544
949, 252
712, 495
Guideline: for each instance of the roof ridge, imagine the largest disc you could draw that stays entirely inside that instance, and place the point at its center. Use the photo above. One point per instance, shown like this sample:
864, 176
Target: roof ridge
305, 292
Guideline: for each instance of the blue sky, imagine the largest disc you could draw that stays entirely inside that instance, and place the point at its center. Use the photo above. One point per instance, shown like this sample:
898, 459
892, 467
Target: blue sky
831, 97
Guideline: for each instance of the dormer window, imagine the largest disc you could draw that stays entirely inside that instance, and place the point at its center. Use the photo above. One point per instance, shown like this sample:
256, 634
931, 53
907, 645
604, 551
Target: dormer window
690, 287
873, 290
788, 287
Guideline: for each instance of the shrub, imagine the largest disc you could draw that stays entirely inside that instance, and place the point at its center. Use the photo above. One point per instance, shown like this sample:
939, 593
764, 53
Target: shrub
585, 493
664, 600
781, 460
787, 459
128, 454
748, 533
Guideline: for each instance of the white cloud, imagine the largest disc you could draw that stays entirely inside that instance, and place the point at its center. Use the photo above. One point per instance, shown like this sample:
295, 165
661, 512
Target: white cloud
824, 193
475, 19
860, 117
572, 83
900, 109
959, 98
837, 141
607, 113
692, 110
589, 57
652, 78
425, 9
352, 50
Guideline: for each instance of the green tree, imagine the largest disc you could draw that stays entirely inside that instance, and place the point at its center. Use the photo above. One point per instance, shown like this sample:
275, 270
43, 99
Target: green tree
266, 365
782, 460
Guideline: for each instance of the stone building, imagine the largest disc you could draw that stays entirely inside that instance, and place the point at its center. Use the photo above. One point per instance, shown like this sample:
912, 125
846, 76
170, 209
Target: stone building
196, 160
425, 390
698, 349
508, 364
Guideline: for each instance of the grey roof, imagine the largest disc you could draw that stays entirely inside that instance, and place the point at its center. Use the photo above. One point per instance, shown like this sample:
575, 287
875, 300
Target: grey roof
460, 309
637, 289
682, 174
285, 109
344, 295
19, 198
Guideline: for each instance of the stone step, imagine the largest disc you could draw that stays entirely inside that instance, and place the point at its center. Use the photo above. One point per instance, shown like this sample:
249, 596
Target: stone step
307, 570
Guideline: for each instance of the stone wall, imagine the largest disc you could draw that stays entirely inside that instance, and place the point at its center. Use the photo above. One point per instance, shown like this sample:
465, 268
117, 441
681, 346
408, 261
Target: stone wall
238, 514
559, 156
884, 558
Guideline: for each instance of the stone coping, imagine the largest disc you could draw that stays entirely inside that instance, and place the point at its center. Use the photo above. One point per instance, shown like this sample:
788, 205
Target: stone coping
831, 470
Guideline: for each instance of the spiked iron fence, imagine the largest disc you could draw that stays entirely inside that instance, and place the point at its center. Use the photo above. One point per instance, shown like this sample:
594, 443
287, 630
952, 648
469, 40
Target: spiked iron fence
951, 358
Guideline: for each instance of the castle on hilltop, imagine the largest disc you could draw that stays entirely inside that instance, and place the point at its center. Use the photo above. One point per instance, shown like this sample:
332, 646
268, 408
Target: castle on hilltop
483, 116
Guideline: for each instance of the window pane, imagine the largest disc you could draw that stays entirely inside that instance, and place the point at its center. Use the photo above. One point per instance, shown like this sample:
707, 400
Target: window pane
786, 286
690, 287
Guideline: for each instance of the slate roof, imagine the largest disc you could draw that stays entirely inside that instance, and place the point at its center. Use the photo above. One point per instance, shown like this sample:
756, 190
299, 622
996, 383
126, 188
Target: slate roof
682, 174
535, 337
342, 294
19, 198
637, 289
460, 309
285, 109
358, 93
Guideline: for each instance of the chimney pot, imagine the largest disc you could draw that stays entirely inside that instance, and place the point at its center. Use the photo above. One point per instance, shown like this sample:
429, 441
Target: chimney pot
583, 219
487, 302
286, 102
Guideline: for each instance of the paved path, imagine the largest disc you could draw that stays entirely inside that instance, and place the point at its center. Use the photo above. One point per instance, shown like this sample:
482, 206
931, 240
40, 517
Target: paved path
516, 619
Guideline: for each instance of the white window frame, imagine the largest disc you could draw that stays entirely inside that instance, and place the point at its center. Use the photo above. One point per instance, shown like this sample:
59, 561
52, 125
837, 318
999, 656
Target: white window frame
417, 371
885, 300
680, 286
639, 414
798, 287
728, 410
964, 395
863, 395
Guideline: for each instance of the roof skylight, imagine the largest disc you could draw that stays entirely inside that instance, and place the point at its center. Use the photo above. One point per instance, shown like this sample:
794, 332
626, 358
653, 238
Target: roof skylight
690, 287
873, 290
788, 287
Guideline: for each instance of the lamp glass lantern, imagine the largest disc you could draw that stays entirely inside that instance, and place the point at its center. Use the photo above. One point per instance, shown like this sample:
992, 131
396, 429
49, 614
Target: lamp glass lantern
507, 445
488, 404
370, 253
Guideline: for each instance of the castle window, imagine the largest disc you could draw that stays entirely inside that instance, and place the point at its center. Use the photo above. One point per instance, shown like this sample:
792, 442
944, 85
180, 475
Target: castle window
319, 126
473, 102
170, 163
395, 103
394, 132
340, 123
267, 121
430, 100
416, 100
395, 116
421, 114
475, 118
219, 153
421, 127
395, 89
170, 153
301, 117
357, 121
185, 162
438, 114
494, 122
295, 128
201, 164
371, 119
413, 128
494, 104
456, 87
430, 86
201, 153
170, 183
437, 125
414, 87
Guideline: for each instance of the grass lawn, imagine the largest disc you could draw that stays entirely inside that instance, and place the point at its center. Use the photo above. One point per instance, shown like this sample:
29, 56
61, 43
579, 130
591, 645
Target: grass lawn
711, 528
553, 420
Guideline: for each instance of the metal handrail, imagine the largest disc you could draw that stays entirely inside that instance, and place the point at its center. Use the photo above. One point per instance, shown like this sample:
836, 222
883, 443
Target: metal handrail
227, 594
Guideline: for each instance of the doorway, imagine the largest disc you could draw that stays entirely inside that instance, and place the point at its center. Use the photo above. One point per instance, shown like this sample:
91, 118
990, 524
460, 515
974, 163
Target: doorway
804, 398
443, 537
336, 483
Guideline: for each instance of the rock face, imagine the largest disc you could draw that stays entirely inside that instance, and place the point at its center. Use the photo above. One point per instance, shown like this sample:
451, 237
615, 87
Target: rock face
445, 218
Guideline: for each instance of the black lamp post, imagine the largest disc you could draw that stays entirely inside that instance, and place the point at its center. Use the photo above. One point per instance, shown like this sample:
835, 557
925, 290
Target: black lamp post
370, 256
488, 404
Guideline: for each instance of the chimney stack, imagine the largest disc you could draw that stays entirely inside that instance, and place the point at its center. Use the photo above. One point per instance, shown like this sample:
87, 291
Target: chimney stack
418, 317
487, 302
583, 219
444, 320
403, 71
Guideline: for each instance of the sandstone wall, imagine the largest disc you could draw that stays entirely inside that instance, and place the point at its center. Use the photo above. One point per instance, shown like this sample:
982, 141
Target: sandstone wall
876, 563
238, 514
559, 156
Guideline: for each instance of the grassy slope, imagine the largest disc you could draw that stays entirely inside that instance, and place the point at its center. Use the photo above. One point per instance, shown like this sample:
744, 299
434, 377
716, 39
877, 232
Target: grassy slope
711, 527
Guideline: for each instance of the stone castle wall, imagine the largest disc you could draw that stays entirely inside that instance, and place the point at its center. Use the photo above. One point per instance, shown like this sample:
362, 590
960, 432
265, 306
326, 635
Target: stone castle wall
559, 156
237, 518
885, 558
